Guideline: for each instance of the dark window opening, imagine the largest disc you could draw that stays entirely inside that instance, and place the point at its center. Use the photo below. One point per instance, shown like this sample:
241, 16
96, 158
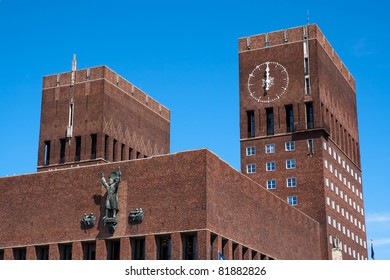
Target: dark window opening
114, 150
123, 152
46, 157
65, 251
164, 246
235, 251
106, 147
251, 123
1, 254
78, 148
138, 248
138, 154
62, 150
130, 153
89, 250
42, 252
309, 115
310, 146
306, 66
307, 84
270, 121
189, 246
93, 145
289, 118
225, 248
113, 249
19, 253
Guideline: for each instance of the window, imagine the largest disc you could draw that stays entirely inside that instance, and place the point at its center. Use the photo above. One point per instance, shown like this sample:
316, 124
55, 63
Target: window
189, 243
46, 157
289, 118
89, 250
271, 184
62, 150
65, 251
106, 147
93, 145
292, 200
251, 123
270, 166
19, 253
270, 121
291, 182
123, 152
250, 151
251, 168
163, 247
113, 249
310, 147
78, 148
138, 248
289, 146
290, 164
270, 148
42, 252
307, 85
309, 115
114, 147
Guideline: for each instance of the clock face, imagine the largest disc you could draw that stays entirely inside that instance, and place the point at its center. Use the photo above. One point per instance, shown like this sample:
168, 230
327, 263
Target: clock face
268, 82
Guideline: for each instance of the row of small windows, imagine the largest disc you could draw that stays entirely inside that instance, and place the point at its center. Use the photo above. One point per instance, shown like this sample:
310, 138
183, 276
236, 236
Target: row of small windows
270, 166
347, 249
342, 162
289, 118
344, 196
288, 147
345, 213
346, 231
93, 137
290, 183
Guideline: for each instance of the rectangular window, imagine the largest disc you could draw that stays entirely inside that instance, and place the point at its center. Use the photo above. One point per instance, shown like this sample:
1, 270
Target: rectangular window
307, 85
251, 123
106, 147
289, 118
138, 248
251, 168
113, 249
250, 151
122, 152
1, 255
310, 146
78, 148
46, 157
42, 252
65, 251
62, 150
270, 121
270, 166
19, 253
93, 145
114, 147
309, 115
290, 164
270, 148
289, 146
271, 184
292, 200
130, 153
189, 244
138, 155
89, 250
291, 182
164, 247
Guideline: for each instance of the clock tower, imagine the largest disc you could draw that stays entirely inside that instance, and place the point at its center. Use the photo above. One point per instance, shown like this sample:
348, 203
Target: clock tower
299, 132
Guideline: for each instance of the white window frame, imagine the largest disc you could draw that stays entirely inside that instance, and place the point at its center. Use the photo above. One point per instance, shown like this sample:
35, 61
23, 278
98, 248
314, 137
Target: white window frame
291, 164
271, 184
270, 148
270, 166
291, 182
292, 200
251, 168
250, 151
289, 146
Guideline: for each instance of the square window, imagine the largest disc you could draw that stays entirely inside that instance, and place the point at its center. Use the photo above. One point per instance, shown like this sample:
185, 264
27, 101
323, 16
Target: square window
292, 200
290, 146
251, 168
271, 184
291, 182
290, 164
270, 166
270, 148
250, 151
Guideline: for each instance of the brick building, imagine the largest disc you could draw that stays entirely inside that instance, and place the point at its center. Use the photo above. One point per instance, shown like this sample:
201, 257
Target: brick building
191, 205
299, 132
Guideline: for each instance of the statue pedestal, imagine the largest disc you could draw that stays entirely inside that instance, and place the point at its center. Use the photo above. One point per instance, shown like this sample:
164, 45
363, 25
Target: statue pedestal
111, 223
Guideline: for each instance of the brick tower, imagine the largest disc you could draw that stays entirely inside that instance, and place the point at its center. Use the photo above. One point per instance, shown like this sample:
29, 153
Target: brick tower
299, 132
93, 116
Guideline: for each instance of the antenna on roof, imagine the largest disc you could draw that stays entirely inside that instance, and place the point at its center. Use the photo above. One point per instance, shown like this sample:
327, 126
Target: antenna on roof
307, 17
74, 62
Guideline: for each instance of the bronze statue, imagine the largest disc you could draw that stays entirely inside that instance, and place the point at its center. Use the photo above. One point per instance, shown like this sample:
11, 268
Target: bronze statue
112, 192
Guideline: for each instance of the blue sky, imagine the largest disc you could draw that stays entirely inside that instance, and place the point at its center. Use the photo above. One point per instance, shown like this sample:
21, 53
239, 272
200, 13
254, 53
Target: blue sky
184, 55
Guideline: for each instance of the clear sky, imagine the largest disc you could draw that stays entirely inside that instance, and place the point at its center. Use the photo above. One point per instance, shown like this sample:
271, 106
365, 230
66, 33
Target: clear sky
184, 55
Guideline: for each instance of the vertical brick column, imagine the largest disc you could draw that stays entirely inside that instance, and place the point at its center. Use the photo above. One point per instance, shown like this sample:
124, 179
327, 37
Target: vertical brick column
8, 254
177, 248
228, 249
30, 253
151, 249
101, 250
54, 252
77, 251
125, 249
203, 245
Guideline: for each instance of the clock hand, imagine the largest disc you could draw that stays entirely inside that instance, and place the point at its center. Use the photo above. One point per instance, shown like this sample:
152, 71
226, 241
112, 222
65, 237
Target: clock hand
267, 79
